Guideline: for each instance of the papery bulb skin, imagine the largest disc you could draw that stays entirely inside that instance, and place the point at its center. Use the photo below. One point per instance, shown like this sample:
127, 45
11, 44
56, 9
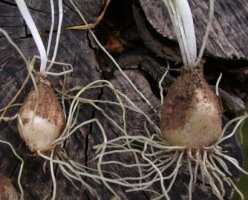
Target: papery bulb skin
191, 112
40, 126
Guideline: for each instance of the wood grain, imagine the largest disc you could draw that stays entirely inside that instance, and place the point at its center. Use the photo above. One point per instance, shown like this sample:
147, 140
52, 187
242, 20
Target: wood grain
228, 37
76, 47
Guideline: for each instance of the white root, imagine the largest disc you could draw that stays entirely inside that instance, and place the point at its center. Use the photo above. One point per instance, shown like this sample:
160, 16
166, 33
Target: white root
21, 167
153, 166
112, 59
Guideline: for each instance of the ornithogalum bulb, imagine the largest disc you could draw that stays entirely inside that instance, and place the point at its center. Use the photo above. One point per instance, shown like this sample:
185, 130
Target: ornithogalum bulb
41, 119
7, 190
191, 112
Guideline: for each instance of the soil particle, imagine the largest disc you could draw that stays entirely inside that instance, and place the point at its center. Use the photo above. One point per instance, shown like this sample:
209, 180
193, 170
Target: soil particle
48, 106
179, 97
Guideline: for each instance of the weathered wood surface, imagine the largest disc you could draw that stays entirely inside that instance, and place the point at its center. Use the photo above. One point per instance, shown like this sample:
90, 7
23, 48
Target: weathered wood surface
77, 48
228, 37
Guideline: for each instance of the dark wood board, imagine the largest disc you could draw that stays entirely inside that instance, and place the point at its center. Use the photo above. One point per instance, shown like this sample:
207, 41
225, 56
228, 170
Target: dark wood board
89, 63
228, 37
